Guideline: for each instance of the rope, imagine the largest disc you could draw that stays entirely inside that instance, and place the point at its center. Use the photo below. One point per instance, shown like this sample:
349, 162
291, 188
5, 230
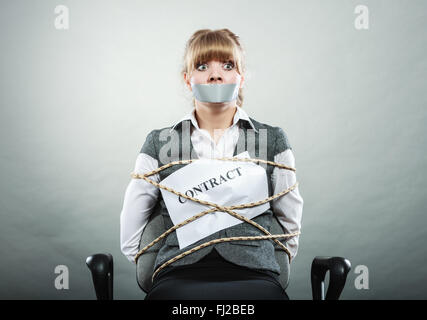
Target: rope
217, 207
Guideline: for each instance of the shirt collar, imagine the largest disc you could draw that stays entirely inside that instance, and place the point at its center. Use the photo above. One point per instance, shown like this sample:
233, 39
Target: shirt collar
239, 115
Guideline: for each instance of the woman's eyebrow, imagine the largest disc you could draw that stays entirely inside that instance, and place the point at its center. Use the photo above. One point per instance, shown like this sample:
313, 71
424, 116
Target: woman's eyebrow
207, 62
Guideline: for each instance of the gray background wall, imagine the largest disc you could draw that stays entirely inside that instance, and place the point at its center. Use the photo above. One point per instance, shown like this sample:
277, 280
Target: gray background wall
77, 104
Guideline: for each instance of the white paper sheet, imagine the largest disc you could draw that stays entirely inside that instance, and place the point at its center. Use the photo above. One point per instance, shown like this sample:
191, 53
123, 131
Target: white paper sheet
236, 183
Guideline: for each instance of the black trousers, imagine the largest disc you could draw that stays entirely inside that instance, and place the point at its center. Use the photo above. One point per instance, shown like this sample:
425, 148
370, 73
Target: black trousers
214, 278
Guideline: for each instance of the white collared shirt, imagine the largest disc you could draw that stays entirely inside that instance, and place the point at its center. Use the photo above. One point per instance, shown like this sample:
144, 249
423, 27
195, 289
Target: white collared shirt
141, 196
203, 142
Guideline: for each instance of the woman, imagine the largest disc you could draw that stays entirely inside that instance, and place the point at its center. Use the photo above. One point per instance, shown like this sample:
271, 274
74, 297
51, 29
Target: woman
222, 271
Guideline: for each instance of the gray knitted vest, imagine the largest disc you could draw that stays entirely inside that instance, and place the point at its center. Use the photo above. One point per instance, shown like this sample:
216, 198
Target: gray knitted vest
167, 146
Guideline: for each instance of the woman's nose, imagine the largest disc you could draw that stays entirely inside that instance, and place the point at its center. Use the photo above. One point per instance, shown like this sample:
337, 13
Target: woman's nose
215, 74
214, 78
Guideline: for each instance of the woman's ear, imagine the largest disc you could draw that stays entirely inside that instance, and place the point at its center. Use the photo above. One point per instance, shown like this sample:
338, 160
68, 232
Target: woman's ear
187, 81
242, 80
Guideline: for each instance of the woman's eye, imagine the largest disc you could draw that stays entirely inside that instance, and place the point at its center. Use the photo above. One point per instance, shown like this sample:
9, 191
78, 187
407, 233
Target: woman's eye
229, 66
202, 67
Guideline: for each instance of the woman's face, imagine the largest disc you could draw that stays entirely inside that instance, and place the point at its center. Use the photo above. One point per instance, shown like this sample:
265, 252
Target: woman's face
214, 72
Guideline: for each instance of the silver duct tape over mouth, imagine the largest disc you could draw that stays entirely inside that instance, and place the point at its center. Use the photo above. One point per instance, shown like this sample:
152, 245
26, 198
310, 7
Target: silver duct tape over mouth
215, 92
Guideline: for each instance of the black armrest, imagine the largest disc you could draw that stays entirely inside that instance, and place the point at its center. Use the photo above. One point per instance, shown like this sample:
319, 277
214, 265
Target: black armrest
101, 266
338, 269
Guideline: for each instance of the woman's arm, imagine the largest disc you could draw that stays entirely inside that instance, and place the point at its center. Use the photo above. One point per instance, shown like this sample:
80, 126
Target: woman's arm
139, 201
287, 208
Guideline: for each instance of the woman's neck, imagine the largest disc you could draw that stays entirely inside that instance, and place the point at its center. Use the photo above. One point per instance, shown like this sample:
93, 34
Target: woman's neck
215, 119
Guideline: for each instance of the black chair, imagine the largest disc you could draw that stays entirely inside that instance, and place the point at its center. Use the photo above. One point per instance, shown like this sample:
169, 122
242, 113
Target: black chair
101, 266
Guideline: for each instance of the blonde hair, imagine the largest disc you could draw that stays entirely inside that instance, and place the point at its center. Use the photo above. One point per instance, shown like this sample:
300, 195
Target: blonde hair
206, 45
